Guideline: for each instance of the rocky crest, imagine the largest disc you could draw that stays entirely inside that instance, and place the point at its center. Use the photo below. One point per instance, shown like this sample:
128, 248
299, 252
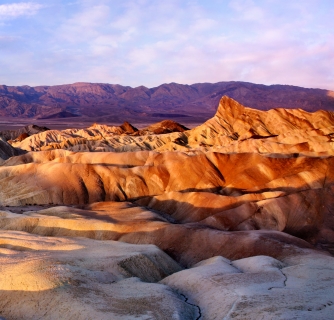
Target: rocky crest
234, 128
23, 132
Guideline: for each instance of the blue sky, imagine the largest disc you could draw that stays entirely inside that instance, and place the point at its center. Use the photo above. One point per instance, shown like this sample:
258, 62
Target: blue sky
150, 42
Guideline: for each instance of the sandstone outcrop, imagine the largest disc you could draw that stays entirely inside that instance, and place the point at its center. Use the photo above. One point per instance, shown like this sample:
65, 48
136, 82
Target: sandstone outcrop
166, 134
162, 127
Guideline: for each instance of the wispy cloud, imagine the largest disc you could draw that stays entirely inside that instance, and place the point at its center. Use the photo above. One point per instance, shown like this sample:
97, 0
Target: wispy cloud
84, 25
14, 10
247, 10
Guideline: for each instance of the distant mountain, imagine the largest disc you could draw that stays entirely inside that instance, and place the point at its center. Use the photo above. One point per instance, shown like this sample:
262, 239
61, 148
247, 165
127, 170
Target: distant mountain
109, 102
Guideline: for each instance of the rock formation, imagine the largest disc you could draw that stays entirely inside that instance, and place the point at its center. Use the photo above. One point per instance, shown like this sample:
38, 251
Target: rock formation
105, 138
6, 150
79, 279
23, 132
231, 219
234, 128
259, 287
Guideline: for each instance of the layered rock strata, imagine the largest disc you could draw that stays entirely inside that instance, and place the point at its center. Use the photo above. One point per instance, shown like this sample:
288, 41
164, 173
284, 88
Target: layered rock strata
231, 219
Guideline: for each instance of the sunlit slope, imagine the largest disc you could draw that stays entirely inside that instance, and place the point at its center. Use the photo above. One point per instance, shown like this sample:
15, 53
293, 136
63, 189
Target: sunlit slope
99, 223
234, 128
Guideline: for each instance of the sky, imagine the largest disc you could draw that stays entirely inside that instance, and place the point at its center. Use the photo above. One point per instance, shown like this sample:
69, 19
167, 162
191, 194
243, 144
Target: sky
150, 42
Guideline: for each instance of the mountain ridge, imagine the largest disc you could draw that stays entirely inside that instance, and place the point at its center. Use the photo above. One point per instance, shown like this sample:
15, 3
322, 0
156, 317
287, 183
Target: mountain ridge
115, 103
234, 128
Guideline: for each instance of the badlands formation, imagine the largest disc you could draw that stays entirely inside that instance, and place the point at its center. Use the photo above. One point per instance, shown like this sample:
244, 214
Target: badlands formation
230, 220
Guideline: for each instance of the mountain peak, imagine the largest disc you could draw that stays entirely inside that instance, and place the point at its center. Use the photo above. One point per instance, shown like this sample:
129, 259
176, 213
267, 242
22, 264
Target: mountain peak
229, 107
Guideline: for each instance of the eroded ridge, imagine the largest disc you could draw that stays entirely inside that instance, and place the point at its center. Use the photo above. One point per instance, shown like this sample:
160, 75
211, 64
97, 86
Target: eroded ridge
227, 220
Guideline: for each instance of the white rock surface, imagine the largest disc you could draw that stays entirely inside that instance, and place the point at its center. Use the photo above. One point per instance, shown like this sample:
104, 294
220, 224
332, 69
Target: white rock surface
77, 278
260, 287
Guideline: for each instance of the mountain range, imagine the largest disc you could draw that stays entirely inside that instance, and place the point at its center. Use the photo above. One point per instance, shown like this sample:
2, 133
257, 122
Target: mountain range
114, 103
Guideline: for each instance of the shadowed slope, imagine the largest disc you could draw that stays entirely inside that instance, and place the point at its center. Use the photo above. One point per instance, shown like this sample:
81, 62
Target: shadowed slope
6, 151
222, 191
187, 243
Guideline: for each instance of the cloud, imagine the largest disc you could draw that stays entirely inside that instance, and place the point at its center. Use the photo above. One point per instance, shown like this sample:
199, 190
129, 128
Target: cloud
83, 26
148, 42
247, 10
14, 10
